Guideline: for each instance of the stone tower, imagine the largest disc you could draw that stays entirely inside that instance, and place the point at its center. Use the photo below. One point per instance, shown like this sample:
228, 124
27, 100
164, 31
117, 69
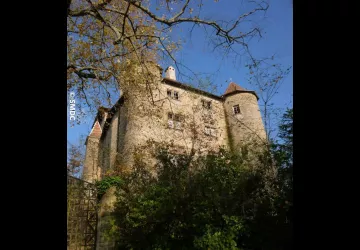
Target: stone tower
243, 116
91, 172
137, 108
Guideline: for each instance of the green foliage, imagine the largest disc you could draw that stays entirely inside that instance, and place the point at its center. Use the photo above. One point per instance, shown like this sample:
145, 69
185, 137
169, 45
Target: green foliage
220, 201
284, 149
215, 238
106, 183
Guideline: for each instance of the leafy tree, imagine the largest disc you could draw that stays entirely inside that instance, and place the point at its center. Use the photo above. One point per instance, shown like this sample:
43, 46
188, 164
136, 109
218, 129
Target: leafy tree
106, 36
272, 225
220, 201
285, 146
75, 159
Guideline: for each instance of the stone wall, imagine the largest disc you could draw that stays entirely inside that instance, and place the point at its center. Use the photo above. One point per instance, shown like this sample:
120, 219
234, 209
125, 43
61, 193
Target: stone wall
149, 114
148, 121
92, 169
246, 126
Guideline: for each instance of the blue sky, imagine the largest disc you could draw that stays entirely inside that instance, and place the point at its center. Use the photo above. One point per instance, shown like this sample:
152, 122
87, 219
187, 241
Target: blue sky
196, 54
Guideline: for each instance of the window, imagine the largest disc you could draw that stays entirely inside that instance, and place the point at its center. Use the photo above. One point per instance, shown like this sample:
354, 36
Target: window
172, 95
170, 120
176, 118
206, 104
177, 125
236, 109
210, 131
174, 121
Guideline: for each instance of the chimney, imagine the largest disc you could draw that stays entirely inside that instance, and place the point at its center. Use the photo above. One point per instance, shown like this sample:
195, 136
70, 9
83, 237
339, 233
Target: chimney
170, 73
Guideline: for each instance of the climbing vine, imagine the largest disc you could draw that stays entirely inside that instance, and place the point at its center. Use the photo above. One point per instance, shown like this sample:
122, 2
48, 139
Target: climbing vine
103, 185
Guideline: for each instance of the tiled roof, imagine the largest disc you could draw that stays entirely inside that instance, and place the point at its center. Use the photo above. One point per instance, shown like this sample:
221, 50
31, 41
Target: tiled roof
232, 88
96, 130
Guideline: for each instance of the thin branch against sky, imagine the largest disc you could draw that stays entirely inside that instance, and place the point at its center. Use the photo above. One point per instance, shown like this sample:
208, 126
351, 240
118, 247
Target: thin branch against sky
277, 38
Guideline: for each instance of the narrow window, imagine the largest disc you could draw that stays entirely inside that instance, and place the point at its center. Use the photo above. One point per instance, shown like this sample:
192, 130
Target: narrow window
169, 93
236, 109
176, 95
177, 120
178, 125
170, 123
170, 120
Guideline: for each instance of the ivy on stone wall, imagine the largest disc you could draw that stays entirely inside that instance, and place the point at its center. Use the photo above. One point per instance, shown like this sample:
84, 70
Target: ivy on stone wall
103, 185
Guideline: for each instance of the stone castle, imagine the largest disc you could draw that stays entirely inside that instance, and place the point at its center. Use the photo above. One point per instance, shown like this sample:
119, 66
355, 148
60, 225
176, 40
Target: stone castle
189, 119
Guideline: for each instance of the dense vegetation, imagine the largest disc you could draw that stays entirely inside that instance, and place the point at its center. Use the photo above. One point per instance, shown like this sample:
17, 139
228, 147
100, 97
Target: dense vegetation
221, 201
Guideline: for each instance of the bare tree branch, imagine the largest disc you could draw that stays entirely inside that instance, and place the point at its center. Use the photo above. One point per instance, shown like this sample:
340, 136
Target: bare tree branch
109, 33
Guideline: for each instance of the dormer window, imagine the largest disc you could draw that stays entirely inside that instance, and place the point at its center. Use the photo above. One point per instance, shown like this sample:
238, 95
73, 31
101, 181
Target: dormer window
236, 109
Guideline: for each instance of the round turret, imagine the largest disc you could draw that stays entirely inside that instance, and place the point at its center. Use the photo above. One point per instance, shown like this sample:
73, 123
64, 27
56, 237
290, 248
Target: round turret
243, 116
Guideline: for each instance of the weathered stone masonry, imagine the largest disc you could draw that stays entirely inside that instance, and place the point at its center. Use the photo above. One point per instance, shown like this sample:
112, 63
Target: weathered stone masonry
187, 118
